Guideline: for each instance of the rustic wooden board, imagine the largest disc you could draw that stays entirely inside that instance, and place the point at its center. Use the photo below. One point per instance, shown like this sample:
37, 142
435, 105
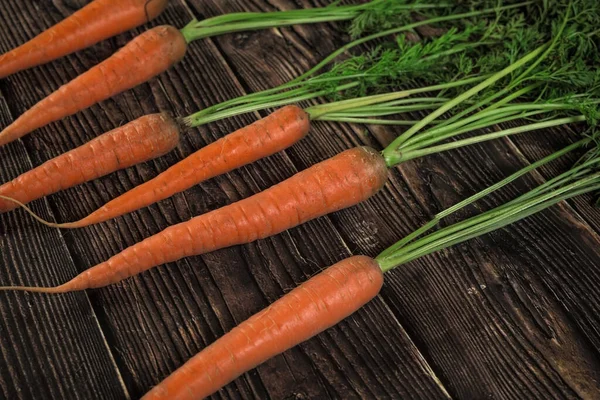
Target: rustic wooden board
510, 315
50, 346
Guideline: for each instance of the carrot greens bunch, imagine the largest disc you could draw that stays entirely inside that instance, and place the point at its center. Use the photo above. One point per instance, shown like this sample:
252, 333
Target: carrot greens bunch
366, 17
550, 78
440, 59
371, 72
554, 83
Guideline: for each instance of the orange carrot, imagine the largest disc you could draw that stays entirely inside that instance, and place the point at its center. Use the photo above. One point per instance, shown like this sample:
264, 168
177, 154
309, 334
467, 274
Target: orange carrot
144, 57
143, 139
316, 305
99, 20
334, 184
264, 137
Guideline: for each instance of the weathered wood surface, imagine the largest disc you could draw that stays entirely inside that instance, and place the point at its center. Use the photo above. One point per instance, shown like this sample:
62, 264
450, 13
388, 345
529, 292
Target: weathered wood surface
511, 315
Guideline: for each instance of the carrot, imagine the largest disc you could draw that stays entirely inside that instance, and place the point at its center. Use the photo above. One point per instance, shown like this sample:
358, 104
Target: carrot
144, 57
336, 183
143, 139
316, 305
264, 137
99, 20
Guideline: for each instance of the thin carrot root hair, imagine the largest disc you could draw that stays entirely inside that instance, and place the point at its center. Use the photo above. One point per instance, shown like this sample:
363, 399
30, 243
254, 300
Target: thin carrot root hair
30, 212
32, 289
146, 9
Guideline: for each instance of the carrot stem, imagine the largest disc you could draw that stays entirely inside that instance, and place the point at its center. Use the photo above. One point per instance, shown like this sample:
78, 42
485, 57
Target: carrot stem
487, 222
409, 155
458, 119
582, 178
374, 121
470, 200
252, 108
247, 21
480, 104
390, 154
319, 110
496, 117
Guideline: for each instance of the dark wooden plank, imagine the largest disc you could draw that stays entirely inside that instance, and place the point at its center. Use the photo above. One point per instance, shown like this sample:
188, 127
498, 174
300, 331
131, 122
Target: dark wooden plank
156, 321
534, 147
520, 338
504, 289
50, 346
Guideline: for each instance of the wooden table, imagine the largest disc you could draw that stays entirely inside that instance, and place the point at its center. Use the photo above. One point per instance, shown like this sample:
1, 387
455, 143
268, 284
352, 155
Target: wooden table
514, 314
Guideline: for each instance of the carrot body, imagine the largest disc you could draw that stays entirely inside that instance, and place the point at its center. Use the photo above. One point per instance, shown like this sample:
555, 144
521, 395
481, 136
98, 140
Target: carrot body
318, 304
264, 137
99, 20
144, 57
331, 185
141, 140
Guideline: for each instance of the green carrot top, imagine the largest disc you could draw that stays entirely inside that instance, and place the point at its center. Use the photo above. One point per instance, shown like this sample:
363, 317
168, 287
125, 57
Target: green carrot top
583, 177
553, 35
550, 79
458, 52
555, 75
367, 17
551, 71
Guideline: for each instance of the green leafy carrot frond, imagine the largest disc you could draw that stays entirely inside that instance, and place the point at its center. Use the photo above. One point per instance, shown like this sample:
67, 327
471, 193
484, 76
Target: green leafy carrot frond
448, 57
592, 115
466, 49
382, 15
373, 15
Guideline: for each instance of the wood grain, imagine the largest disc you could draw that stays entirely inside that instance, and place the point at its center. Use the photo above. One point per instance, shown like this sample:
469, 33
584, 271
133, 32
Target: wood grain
50, 346
510, 315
